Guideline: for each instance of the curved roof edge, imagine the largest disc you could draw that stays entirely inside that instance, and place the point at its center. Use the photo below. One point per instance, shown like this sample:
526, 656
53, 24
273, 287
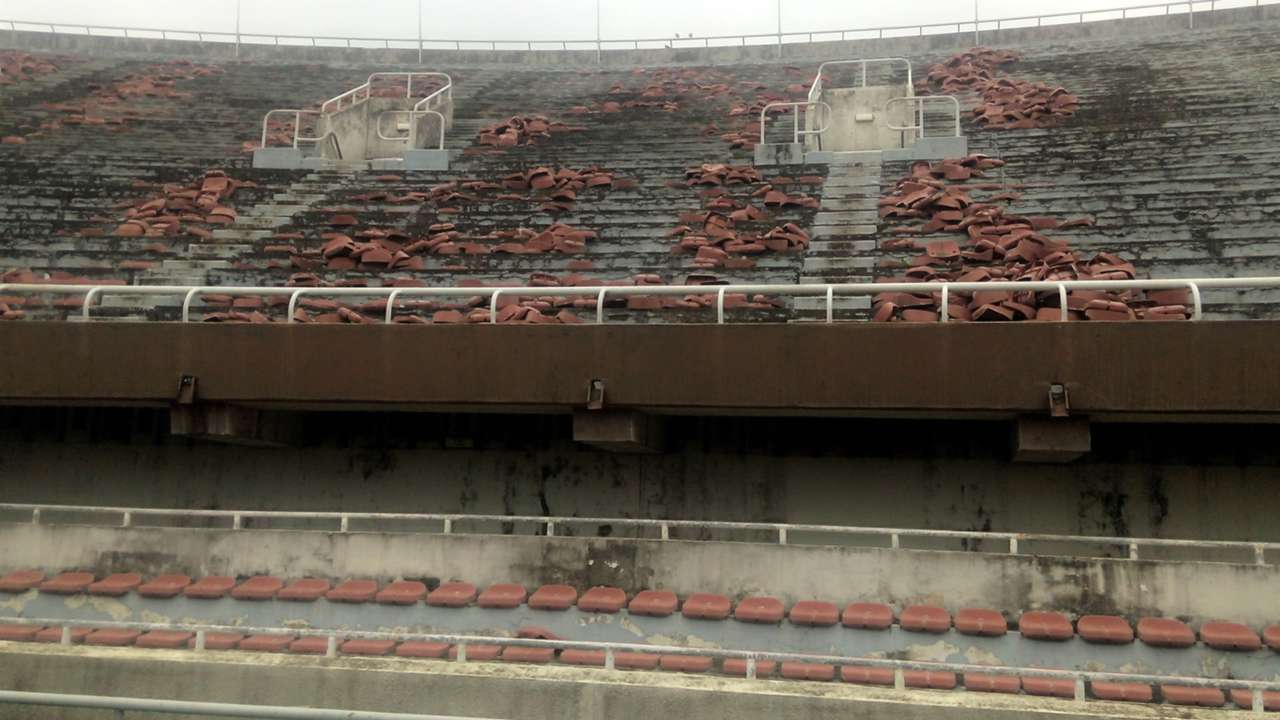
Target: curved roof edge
724, 55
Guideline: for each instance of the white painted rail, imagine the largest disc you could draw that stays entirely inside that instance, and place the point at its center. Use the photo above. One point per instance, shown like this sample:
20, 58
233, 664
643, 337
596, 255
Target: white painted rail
189, 293
1190, 9
779, 533
207, 709
611, 650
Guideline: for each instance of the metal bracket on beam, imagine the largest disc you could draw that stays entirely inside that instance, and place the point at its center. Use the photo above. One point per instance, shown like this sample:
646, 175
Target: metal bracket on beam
186, 390
595, 395
1059, 401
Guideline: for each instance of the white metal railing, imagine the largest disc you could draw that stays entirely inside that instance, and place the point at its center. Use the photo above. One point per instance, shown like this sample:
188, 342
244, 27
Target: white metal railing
1190, 9
828, 290
781, 533
121, 705
427, 105
917, 112
796, 132
612, 649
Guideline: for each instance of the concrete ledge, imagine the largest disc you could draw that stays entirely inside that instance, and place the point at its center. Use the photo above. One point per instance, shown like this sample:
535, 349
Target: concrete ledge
1192, 590
526, 692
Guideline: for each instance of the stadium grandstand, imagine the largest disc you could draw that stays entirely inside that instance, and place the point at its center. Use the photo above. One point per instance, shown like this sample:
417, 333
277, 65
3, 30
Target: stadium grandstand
905, 373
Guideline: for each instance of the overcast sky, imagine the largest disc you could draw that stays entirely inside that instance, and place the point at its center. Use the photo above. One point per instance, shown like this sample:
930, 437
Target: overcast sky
530, 19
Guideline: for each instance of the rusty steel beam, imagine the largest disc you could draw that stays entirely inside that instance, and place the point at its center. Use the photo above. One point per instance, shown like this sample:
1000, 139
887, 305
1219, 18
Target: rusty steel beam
1185, 370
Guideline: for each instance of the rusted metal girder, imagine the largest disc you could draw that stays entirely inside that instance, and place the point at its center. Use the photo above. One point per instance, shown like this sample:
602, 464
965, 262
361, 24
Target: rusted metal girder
1174, 371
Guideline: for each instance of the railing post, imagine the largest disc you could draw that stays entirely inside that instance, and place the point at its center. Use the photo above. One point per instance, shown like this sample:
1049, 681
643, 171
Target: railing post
345, 524
943, 310
35, 516
1197, 311
65, 639
236, 522
1062, 301
608, 658
448, 526
831, 303
493, 306
899, 680
551, 528
1191, 15
126, 519
1133, 551
782, 535
462, 652
200, 640
751, 668
1013, 545
1259, 554
1257, 706
1079, 694
331, 649
666, 531
720, 306
894, 541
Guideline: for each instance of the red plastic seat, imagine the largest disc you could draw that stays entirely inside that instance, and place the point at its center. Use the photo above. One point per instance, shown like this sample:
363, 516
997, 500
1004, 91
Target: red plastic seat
602, 599
660, 603
932, 679
636, 661
814, 612
477, 653
981, 621
759, 609
219, 641
1049, 687
820, 672
1271, 636
1200, 696
169, 639
401, 592
67, 583
421, 649
1229, 636
983, 682
593, 658
54, 634
528, 654
738, 668
868, 616
210, 587
264, 643
452, 594
21, 581
258, 587
112, 637
706, 606
304, 590
357, 646
1165, 632
503, 595
1041, 625
116, 584
310, 645
924, 618
866, 675
164, 586
1105, 629
685, 663
1122, 692
1244, 699
19, 633
553, 597
353, 591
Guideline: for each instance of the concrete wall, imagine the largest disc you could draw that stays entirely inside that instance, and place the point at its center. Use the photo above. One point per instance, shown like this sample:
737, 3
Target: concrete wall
939, 43
522, 692
898, 476
847, 133
1197, 591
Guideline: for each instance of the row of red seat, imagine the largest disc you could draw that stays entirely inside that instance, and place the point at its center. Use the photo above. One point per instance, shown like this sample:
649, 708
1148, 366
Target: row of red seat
820, 672
1035, 624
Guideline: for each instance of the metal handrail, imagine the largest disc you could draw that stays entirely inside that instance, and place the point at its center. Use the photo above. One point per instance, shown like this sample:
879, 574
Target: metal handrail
413, 117
354, 94
297, 124
796, 132
797, 37
829, 290
783, 533
611, 649
920, 101
864, 62
211, 709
